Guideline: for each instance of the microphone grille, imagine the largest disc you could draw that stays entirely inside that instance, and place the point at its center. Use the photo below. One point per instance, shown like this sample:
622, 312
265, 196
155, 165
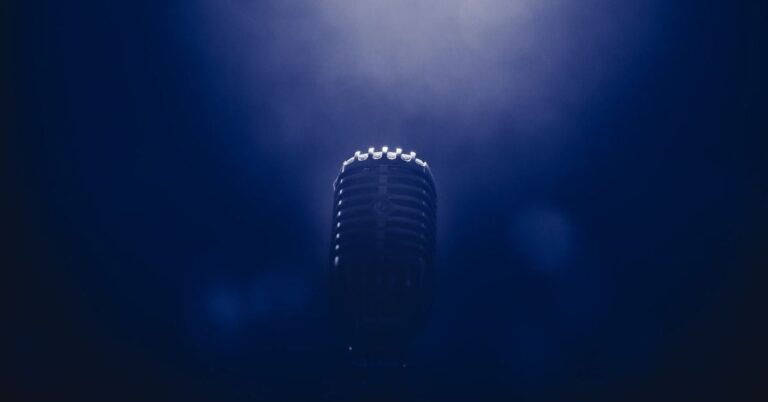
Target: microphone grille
383, 242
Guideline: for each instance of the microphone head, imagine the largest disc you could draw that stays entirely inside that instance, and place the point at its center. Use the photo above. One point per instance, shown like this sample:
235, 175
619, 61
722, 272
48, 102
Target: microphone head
382, 248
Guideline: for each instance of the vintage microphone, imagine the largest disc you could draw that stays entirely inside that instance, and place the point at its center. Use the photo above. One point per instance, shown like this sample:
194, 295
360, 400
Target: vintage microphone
382, 259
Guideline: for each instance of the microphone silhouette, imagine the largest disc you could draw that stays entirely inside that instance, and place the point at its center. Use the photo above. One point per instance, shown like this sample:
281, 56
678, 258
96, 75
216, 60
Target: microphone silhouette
382, 260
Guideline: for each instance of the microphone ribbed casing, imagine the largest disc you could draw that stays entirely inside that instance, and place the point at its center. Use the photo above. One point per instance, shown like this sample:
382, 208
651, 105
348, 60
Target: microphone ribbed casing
383, 247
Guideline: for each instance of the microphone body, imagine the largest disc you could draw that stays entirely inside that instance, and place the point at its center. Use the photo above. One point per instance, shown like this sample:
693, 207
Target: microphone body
382, 252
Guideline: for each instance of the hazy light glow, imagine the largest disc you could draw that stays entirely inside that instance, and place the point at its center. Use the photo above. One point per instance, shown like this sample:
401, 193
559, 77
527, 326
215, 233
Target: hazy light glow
427, 53
366, 67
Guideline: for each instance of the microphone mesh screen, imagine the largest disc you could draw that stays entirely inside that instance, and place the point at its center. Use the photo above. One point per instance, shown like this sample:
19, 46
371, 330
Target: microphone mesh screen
383, 245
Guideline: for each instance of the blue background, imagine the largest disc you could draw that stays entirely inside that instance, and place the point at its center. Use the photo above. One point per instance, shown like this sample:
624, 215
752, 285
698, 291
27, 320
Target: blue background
601, 174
